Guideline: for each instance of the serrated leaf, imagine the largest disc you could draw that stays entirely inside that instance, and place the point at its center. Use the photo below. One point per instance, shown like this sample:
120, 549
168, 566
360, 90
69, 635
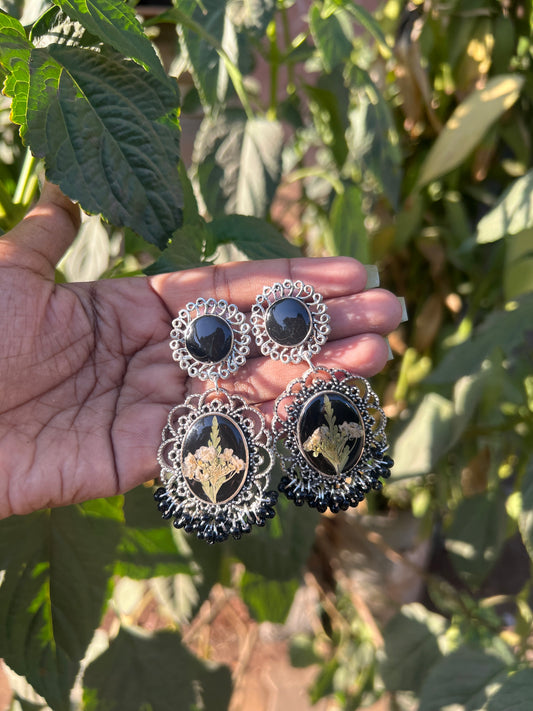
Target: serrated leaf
411, 647
256, 238
57, 566
332, 34
166, 676
515, 693
14, 57
512, 213
127, 168
268, 600
525, 519
476, 535
237, 163
348, 235
190, 247
114, 22
147, 548
461, 681
468, 124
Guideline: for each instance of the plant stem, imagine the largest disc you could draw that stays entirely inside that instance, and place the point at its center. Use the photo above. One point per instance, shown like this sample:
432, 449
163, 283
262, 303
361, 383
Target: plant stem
274, 69
27, 182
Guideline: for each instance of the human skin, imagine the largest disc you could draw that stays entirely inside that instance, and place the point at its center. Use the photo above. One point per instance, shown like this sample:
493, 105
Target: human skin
86, 373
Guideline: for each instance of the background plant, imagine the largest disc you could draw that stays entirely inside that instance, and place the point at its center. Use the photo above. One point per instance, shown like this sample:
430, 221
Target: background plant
402, 138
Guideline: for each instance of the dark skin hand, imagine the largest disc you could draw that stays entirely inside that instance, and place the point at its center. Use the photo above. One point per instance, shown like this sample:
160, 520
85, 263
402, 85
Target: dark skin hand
86, 373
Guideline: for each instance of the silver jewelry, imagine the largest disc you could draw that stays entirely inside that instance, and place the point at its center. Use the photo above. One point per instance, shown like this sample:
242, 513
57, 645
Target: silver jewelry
216, 453
328, 426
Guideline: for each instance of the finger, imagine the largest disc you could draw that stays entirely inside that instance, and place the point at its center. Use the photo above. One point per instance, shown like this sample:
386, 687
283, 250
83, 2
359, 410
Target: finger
240, 282
47, 231
263, 379
374, 311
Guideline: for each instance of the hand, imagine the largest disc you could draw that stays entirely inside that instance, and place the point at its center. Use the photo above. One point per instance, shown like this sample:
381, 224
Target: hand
86, 373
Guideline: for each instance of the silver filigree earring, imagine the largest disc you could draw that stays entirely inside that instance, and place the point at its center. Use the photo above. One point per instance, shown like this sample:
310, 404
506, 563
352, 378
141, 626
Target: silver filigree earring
216, 453
328, 426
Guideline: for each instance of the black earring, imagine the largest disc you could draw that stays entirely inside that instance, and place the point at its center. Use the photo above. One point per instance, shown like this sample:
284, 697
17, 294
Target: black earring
216, 453
328, 426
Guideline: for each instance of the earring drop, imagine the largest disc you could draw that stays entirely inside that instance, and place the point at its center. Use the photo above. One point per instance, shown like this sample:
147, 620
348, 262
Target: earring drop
216, 453
328, 426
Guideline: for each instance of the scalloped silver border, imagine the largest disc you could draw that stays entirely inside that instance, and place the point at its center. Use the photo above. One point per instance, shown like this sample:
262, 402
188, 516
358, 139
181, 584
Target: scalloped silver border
320, 330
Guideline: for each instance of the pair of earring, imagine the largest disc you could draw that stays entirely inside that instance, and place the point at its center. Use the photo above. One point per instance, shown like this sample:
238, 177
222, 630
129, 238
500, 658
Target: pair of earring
216, 454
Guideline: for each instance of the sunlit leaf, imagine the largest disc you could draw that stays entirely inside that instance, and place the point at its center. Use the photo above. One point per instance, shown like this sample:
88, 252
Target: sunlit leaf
268, 600
237, 162
461, 681
348, 235
256, 238
58, 565
332, 34
512, 213
468, 124
525, 520
251, 15
411, 647
515, 693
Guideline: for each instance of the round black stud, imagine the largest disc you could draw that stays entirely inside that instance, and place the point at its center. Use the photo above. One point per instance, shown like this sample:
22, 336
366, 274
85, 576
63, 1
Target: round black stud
288, 321
209, 339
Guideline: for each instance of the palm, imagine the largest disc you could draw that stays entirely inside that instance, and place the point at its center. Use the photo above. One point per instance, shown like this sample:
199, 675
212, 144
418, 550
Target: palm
87, 377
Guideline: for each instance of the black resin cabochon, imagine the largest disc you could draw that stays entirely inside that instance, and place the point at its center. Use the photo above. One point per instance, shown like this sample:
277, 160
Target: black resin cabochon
331, 433
209, 339
288, 321
214, 458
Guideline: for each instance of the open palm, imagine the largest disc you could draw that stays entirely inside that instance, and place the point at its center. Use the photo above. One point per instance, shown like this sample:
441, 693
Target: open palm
86, 374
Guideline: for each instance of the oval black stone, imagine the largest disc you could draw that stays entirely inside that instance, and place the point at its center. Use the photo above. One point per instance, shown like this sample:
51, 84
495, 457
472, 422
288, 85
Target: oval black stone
288, 321
209, 338
331, 433
214, 458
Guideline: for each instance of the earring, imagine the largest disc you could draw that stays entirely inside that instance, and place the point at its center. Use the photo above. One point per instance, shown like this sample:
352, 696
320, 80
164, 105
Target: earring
216, 453
328, 426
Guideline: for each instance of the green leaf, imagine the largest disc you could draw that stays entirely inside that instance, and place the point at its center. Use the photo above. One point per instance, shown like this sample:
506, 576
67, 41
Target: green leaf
525, 519
329, 101
423, 441
14, 57
515, 693
518, 273
476, 535
147, 548
206, 39
302, 651
348, 235
462, 678
372, 139
128, 168
332, 34
256, 238
512, 213
142, 671
506, 329
468, 124
368, 21
237, 163
114, 22
268, 600
190, 247
57, 566
411, 647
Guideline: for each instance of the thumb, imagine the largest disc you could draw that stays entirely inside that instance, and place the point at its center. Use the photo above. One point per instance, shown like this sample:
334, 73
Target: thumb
47, 231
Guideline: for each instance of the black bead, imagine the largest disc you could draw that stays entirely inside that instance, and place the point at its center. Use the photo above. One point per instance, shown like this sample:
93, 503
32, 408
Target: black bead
288, 321
160, 494
209, 338
321, 506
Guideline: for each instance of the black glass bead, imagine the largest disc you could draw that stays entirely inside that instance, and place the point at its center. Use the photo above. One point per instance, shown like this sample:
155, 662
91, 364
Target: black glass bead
209, 339
288, 321
214, 458
321, 506
331, 433
160, 494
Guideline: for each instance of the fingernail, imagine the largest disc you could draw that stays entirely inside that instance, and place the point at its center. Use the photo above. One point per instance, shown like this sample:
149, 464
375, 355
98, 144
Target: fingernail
372, 276
405, 317
390, 355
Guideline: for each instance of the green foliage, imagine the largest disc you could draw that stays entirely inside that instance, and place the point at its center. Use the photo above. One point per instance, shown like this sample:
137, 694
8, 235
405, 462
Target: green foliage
417, 156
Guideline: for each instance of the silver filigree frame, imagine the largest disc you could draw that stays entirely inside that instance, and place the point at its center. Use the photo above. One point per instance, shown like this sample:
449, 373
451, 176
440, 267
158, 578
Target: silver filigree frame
302, 482
240, 345
251, 505
313, 301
